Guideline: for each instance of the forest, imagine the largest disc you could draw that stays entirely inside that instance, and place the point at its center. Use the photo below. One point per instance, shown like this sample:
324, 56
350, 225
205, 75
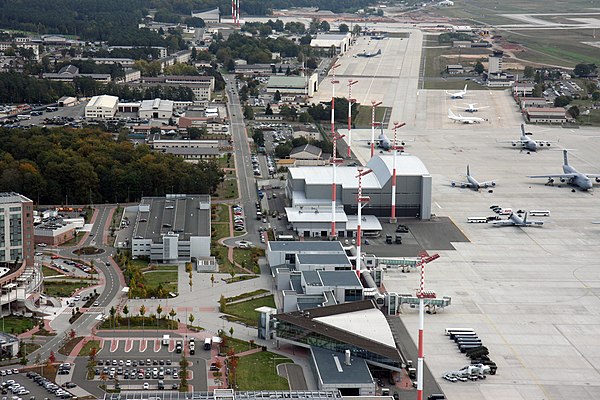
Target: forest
116, 21
58, 166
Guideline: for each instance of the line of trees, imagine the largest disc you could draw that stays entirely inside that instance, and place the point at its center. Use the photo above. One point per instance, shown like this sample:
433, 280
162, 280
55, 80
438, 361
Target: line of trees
53, 165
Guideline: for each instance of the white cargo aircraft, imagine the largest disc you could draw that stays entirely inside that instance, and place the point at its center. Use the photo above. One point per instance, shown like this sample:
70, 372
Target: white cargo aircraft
464, 120
458, 95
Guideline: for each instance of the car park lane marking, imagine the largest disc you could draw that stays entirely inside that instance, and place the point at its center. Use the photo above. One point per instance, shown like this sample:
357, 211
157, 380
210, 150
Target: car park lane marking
114, 345
171, 345
128, 345
156, 345
143, 345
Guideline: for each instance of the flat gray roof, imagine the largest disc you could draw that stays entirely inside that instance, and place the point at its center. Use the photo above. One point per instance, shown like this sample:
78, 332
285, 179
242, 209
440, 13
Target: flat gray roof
333, 258
332, 368
307, 246
340, 278
186, 215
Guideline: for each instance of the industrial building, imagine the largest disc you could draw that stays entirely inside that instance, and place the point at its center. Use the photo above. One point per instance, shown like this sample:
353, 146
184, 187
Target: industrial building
172, 229
300, 85
201, 86
156, 109
103, 106
308, 192
212, 16
546, 114
341, 41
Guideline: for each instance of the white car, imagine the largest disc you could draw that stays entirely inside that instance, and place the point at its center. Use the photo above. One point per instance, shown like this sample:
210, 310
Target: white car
146, 386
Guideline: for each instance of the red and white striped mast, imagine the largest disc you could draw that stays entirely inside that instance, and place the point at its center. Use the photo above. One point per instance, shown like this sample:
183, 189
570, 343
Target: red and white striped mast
395, 147
334, 159
237, 12
373, 125
350, 102
423, 294
361, 201
233, 10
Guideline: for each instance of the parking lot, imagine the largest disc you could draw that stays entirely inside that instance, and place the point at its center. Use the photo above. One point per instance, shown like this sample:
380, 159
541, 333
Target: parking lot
31, 386
147, 364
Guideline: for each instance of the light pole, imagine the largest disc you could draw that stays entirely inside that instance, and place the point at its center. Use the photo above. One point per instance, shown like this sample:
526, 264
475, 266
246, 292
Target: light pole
361, 202
350, 102
423, 294
373, 124
334, 155
396, 148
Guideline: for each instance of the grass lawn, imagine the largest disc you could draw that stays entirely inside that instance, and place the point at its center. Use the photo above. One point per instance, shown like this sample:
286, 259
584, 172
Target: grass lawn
221, 213
238, 345
46, 271
142, 264
220, 253
258, 372
226, 162
246, 295
168, 279
244, 311
73, 241
227, 189
16, 325
137, 323
245, 257
28, 348
85, 350
65, 287
363, 118
221, 230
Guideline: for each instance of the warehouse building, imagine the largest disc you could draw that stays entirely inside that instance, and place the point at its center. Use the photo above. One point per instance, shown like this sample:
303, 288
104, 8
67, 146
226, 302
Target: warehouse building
308, 192
299, 85
156, 109
341, 41
546, 114
201, 86
212, 16
172, 229
103, 106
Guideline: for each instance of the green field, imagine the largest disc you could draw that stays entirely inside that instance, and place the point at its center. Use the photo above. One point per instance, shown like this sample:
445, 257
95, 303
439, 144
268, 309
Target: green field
244, 311
64, 287
85, 350
227, 189
46, 271
364, 116
561, 47
163, 276
15, 325
258, 372
237, 345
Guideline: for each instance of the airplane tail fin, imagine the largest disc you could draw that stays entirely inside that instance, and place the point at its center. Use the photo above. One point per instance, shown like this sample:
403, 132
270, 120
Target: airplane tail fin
522, 129
468, 173
525, 218
566, 157
465, 89
450, 113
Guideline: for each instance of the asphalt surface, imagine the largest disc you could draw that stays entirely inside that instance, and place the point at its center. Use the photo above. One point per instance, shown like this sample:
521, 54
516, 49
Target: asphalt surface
247, 187
108, 293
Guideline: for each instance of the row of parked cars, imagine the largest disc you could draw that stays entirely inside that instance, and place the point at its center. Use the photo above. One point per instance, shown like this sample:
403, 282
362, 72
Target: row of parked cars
50, 386
239, 224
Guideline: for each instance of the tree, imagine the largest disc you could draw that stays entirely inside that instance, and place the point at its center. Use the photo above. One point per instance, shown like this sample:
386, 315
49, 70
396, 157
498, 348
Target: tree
574, 111
324, 26
231, 331
172, 314
306, 39
232, 272
479, 67
126, 312
212, 280
103, 378
277, 96
562, 101
248, 112
142, 312
191, 319
584, 69
344, 28
222, 303
159, 311
596, 95
356, 29
529, 72
268, 110
230, 65
112, 313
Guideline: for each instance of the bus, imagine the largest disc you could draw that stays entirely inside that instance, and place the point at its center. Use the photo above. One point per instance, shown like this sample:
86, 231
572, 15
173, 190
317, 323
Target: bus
449, 331
286, 238
539, 213
477, 220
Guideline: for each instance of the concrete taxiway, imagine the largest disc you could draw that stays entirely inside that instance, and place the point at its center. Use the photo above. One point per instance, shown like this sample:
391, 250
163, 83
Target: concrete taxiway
531, 294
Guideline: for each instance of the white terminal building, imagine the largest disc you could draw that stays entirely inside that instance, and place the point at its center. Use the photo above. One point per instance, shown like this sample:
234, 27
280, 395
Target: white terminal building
156, 109
309, 192
103, 106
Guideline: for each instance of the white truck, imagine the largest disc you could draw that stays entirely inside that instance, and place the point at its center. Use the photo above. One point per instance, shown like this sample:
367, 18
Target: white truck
165, 340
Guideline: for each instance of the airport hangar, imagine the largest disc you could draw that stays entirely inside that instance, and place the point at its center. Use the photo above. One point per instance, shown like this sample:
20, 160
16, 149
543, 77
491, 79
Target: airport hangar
309, 192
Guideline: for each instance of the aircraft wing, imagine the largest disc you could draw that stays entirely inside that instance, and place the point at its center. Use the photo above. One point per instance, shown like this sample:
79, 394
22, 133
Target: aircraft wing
511, 141
488, 183
593, 175
543, 142
559, 176
461, 184
502, 222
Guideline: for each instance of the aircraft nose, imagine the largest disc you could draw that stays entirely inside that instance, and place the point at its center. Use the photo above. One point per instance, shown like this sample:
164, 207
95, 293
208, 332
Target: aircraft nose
588, 185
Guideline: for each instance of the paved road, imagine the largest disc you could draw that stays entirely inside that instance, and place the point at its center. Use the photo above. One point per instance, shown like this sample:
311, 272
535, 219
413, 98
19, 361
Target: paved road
243, 163
108, 293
